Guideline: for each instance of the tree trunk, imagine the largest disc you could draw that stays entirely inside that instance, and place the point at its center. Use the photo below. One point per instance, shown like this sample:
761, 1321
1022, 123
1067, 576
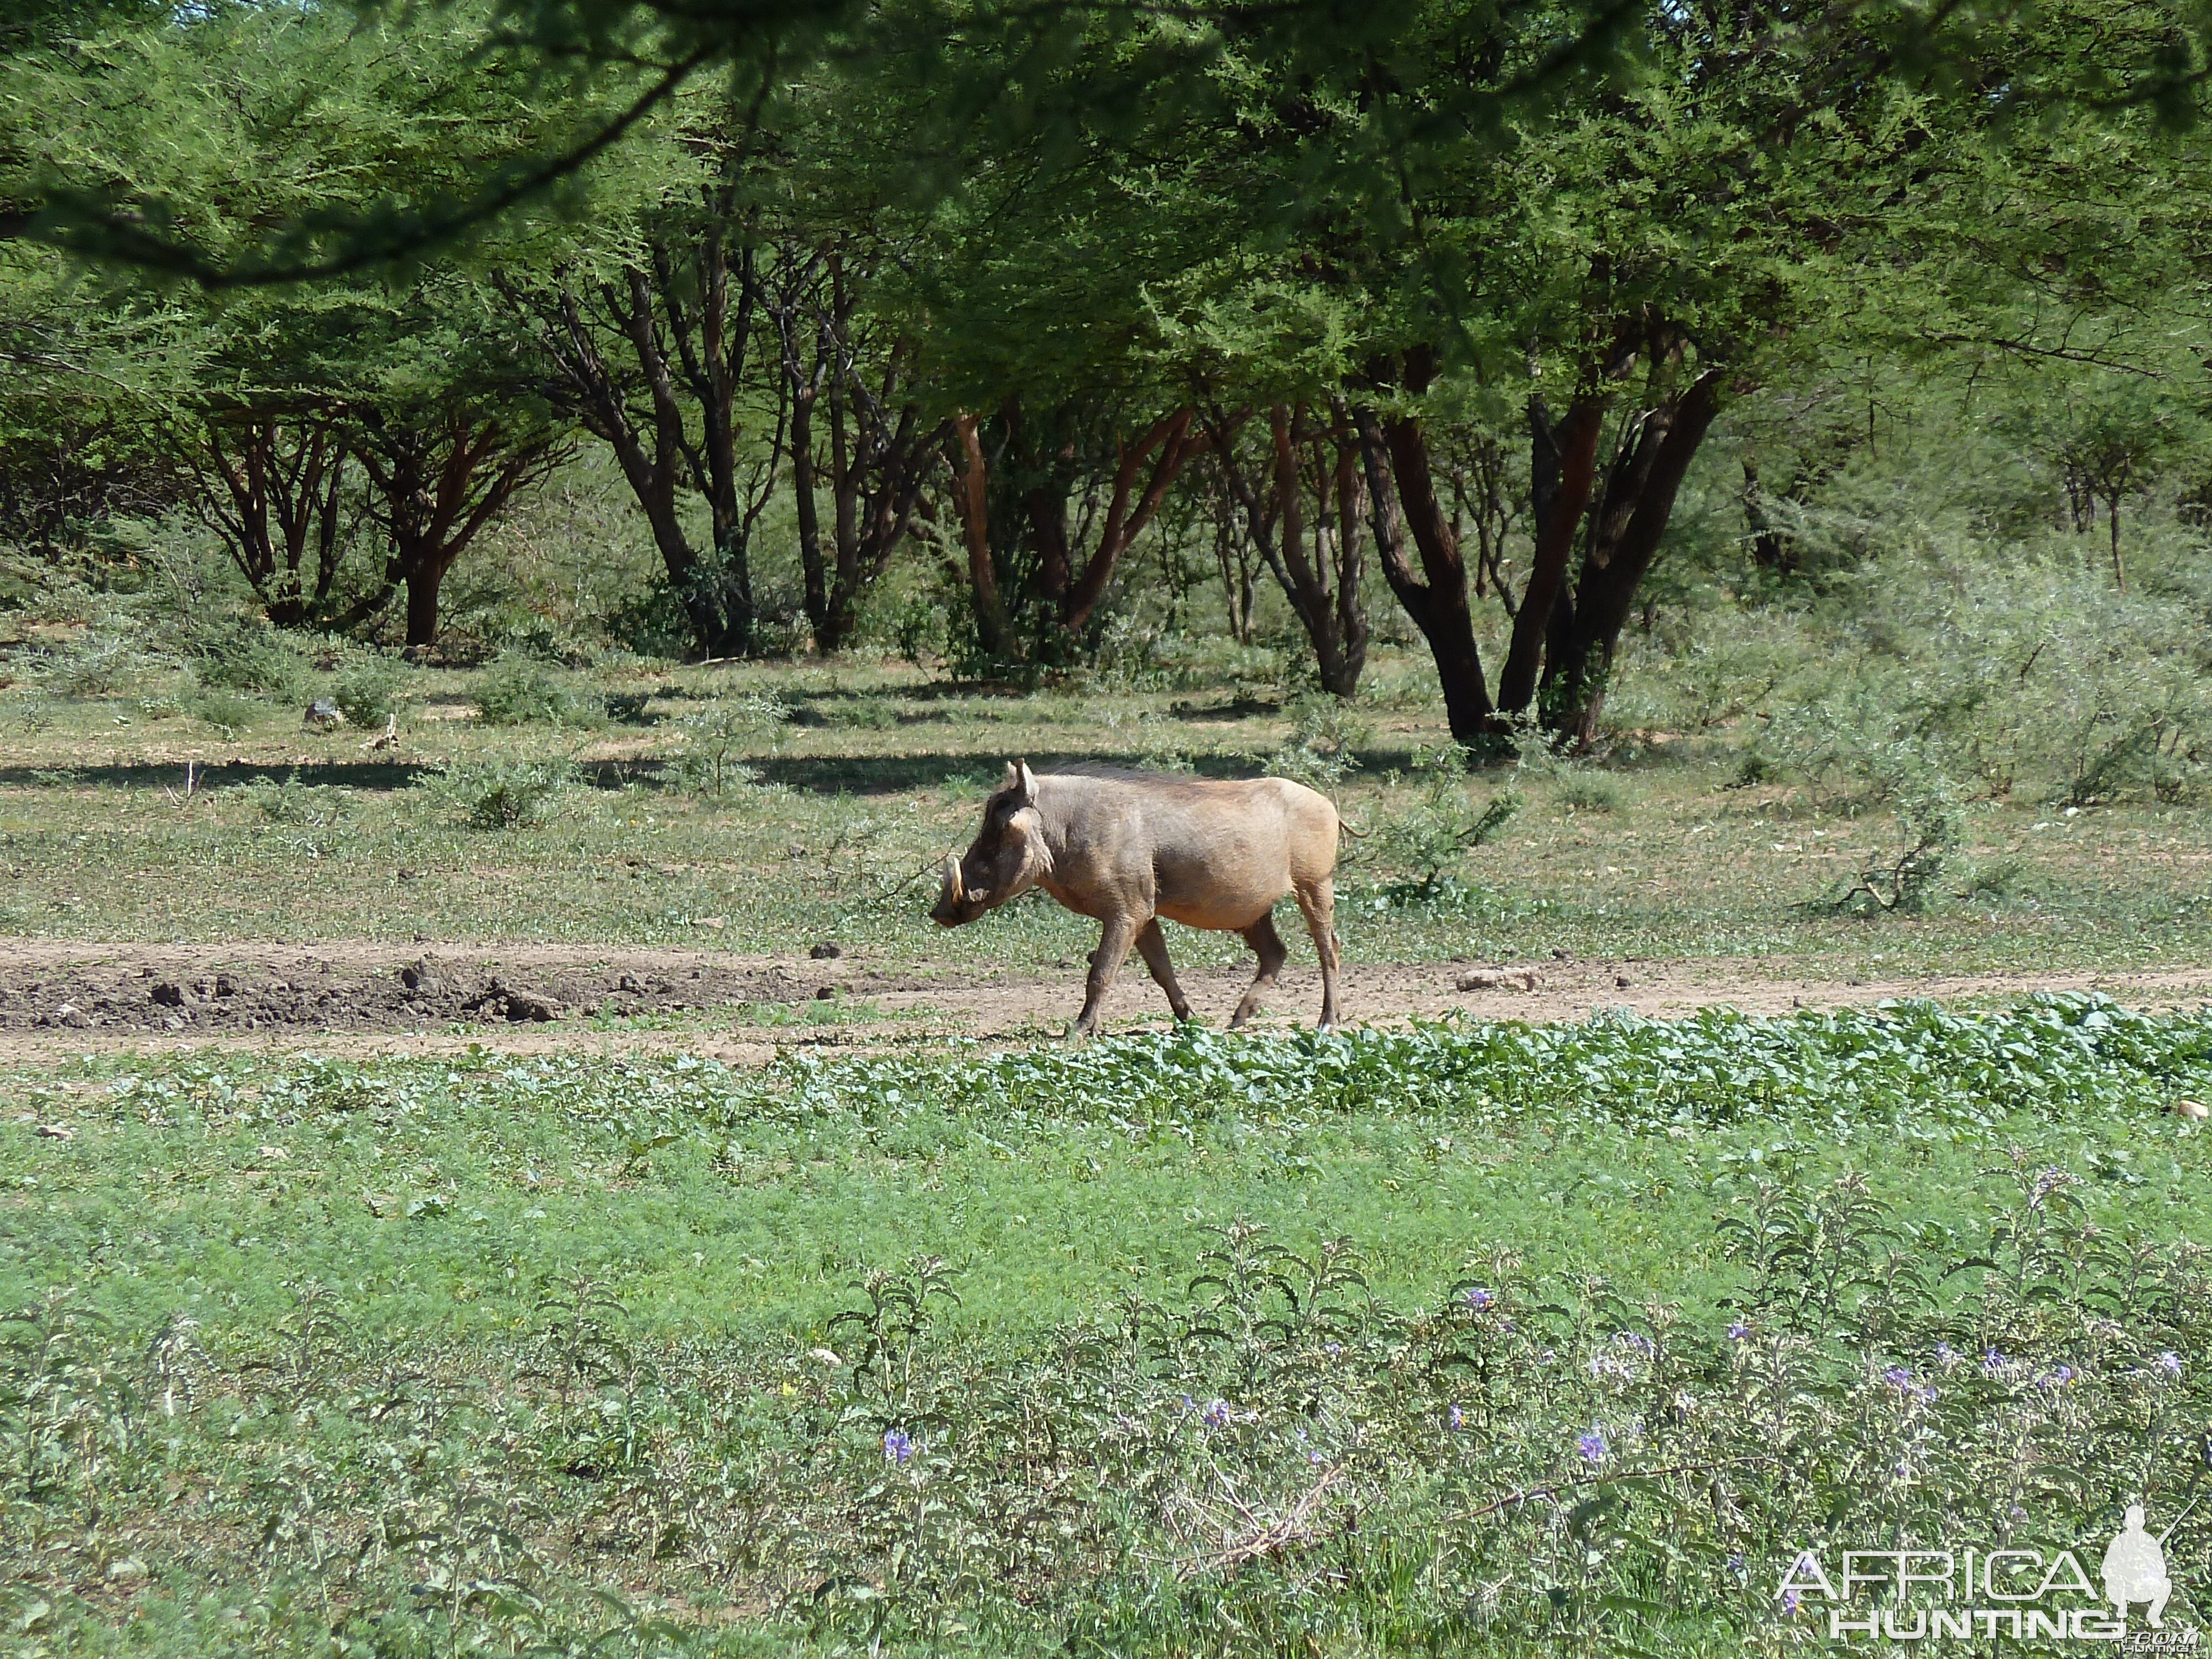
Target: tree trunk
1436, 600
1565, 501
424, 578
1625, 540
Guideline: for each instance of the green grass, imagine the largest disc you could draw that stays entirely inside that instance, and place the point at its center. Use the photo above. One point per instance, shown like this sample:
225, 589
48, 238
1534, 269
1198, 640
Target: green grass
1677, 864
418, 1357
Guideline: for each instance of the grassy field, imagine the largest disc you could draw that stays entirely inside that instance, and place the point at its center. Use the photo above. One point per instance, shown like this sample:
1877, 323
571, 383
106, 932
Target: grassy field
1169, 1345
1432, 1337
1663, 853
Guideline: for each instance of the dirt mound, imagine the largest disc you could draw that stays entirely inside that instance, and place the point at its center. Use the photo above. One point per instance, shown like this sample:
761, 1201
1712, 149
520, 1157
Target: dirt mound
222, 989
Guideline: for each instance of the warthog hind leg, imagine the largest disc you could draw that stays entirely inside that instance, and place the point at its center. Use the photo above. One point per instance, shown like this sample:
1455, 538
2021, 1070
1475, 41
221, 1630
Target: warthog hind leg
1105, 962
1317, 904
1152, 945
1262, 938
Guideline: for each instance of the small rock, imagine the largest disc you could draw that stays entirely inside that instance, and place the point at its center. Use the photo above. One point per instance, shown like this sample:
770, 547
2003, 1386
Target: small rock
523, 1006
825, 1357
1500, 979
56, 1132
2195, 1110
323, 714
225, 985
827, 952
1620, 982
169, 995
628, 983
128, 1571
272, 1154
717, 923
824, 993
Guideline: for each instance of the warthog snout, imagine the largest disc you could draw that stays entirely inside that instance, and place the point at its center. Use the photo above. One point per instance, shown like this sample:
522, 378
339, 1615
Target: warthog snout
951, 907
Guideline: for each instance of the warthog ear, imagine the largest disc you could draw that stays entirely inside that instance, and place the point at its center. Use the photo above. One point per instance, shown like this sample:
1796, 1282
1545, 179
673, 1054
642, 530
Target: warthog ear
1024, 781
954, 890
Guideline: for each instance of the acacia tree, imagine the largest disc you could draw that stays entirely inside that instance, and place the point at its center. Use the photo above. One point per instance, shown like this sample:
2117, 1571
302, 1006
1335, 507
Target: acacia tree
1317, 558
655, 344
856, 428
273, 487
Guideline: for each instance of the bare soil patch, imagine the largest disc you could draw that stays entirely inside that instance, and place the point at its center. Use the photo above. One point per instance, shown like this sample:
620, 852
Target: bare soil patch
359, 997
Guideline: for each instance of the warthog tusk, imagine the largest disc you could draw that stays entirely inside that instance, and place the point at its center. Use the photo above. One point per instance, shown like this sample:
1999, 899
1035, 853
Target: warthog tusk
953, 889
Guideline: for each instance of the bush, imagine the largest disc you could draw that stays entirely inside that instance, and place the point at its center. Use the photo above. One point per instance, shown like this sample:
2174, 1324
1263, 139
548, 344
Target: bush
226, 711
1988, 676
1325, 731
503, 794
367, 694
1428, 837
295, 802
1580, 790
518, 690
715, 735
97, 666
253, 660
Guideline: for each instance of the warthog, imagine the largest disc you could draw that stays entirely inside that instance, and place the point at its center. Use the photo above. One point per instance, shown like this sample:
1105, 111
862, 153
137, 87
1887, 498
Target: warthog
1129, 847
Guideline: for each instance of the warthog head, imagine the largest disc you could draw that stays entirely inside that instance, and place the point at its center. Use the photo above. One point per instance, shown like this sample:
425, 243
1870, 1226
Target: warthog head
1007, 857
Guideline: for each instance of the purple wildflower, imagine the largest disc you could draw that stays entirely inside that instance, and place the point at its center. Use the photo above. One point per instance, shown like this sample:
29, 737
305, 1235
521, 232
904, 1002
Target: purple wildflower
1217, 1415
1457, 1418
1898, 1378
1791, 1602
1737, 1330
2167, 1364
897, 1446
1591, 1445
1735, 1564
1479, 1298
1636, 1340
1333, 1350
2057, 1377
1993, 1363
1945, 1355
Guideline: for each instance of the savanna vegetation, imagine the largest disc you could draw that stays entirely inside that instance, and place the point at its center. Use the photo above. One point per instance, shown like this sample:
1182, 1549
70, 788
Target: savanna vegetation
1713, 489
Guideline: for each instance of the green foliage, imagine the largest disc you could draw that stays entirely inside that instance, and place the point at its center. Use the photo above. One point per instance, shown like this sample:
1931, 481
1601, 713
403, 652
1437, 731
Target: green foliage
1428, 836
725, 728
96, 665
2024, 673
368, 693
520, 691
229, 711
253, 659
296, 802
502, 794
1841, 1264
1326, 733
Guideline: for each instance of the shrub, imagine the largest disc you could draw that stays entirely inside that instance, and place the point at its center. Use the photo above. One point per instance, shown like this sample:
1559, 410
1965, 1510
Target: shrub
503, 794
1325, 731
1438, 826
226, 711
368, 693
252, 660
715, 736
95, 666
295, 802
518, 690
1581, 790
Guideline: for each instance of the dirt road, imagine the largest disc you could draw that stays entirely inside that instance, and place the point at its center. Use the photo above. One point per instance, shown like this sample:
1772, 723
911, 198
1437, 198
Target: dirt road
59, 998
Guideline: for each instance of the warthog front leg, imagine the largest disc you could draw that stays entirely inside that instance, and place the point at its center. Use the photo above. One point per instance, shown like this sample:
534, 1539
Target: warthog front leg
1105, 962
1262, 938
1317, 904
1152, 945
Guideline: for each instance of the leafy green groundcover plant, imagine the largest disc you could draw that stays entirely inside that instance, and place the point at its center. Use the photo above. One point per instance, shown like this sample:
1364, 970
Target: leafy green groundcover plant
1270, 1459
